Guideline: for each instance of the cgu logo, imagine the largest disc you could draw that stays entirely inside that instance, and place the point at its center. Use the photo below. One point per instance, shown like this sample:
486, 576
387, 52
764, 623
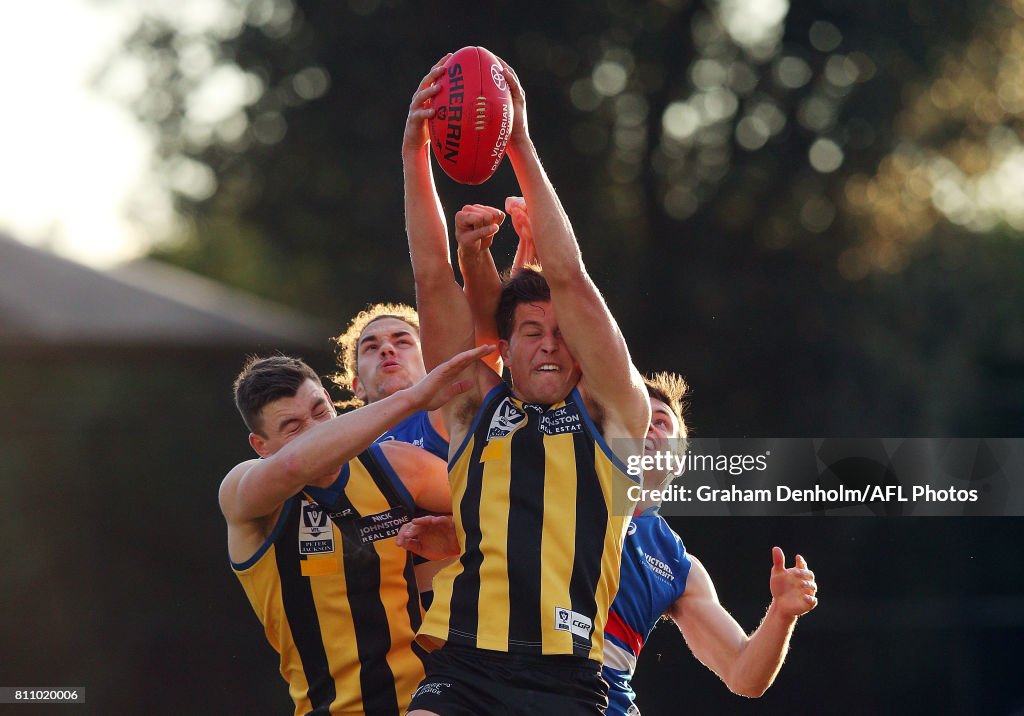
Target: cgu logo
578, 624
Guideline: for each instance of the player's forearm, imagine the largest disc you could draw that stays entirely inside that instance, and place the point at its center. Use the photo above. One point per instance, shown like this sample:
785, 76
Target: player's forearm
331, 444
482, 286
525, 256
554, 241
758, 663
424, 219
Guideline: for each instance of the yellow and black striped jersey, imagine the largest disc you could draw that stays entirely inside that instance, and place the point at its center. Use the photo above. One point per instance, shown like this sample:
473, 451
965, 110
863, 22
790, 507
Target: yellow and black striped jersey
532, 494
337, 597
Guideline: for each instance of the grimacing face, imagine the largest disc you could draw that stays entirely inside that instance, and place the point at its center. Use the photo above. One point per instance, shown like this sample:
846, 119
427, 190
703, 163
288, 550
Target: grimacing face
388, 359
284, 419
542, 368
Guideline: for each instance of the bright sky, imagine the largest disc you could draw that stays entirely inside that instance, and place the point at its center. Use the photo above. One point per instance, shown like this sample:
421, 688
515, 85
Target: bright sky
70, 158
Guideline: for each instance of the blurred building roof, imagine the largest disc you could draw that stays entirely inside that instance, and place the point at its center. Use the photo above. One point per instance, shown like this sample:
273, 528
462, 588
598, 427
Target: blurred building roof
49, 301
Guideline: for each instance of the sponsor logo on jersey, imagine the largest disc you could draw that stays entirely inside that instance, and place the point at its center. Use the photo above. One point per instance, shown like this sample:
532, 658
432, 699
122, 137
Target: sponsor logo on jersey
659, 568
578, 624
382, 525
436, 688
505, 420
631, 530
562, 420
316, 533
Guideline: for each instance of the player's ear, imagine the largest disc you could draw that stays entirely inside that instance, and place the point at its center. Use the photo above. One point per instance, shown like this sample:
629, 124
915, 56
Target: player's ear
503, 350
357, 388
259, 444
329, 399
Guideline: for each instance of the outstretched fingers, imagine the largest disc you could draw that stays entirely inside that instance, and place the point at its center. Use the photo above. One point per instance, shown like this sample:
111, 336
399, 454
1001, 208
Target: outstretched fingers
519, 123
794, 588
420, 111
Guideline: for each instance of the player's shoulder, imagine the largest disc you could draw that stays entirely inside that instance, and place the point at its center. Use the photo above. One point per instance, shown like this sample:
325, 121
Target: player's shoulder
229, 485
626, 414
402, 455
236, 473
657, 534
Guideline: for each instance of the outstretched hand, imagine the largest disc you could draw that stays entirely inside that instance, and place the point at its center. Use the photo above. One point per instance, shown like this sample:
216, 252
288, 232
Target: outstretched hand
794, 590
417, 134
432, 537
520, 131
442, 384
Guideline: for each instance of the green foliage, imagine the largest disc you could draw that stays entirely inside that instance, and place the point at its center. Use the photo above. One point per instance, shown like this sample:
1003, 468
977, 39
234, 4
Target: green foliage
705, 160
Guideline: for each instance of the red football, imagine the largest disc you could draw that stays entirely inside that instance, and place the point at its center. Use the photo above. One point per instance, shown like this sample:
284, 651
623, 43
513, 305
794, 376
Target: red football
473, 116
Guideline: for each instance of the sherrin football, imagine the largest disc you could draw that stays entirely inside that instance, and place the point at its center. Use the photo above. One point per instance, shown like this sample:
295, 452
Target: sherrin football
472, 116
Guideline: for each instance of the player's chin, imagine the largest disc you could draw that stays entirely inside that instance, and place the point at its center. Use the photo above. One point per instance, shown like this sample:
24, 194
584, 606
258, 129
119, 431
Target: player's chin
392, 384
550, 390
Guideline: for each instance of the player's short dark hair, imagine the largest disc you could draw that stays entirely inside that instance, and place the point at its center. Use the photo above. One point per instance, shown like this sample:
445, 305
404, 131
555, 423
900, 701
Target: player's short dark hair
528, 285
264, 380
671, 389
347, 344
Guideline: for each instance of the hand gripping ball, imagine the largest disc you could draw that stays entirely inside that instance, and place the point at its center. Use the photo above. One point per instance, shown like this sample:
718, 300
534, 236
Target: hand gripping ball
473, 116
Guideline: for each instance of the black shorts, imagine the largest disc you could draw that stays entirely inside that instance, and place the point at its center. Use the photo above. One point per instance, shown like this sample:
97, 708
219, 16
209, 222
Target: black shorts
462, 681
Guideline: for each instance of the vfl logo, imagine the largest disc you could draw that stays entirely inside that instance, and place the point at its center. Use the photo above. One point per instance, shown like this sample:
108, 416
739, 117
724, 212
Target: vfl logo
442, 113
505, 420
631, 530
316, 535
577, 624
314, 519
499, 78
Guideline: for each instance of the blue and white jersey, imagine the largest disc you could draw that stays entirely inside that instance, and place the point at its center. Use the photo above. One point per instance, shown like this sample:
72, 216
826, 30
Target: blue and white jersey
417, 430
652, 577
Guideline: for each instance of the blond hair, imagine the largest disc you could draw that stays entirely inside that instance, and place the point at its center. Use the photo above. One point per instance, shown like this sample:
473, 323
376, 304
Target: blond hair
346, 345
671, 389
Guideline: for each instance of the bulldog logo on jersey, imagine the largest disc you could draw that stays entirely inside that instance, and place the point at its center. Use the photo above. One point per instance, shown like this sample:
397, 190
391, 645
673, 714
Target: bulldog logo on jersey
506, 419
316, 534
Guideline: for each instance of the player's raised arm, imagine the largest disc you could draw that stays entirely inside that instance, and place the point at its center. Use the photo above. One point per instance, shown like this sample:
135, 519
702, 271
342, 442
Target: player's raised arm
588, 327
526, 254
446, 322
747, 665
475, 227
258, 488
436, 289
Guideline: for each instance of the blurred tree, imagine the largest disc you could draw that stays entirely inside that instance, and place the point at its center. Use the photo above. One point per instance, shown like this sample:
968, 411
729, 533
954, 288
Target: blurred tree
757, 185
